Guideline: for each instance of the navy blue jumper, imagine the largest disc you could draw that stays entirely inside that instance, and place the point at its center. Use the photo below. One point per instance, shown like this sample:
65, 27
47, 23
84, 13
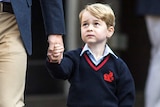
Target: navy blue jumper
109, 84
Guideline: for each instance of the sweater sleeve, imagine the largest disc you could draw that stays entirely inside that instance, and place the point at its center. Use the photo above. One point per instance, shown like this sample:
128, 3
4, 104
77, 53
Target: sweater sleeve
125, 86
67, 66
62, 70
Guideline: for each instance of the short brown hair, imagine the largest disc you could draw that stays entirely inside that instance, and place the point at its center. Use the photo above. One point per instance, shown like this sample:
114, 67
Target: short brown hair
100, 11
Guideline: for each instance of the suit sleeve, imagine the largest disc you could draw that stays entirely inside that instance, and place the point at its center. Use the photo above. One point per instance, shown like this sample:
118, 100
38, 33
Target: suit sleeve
53, 16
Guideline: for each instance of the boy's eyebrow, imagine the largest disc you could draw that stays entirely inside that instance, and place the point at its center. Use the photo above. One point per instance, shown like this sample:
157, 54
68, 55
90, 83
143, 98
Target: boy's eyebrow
97, 20
93, 20
86, 21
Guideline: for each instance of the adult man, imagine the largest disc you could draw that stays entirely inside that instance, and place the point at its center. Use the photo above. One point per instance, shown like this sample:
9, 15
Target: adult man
150, 9
16, 43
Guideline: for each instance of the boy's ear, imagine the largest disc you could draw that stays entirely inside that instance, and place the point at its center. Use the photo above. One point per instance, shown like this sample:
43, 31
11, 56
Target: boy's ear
110, 31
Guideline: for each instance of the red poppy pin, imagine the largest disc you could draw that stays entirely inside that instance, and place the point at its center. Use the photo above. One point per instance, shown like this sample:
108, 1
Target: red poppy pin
108, 77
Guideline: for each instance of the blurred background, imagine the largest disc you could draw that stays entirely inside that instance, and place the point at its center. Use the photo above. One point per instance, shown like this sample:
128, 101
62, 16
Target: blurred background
130, 42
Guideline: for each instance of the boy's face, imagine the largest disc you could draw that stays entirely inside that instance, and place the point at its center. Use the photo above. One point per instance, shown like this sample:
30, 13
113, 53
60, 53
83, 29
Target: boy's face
94, 30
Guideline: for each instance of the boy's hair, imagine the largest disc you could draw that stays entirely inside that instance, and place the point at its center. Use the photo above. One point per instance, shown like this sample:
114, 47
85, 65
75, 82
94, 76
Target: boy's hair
100, 11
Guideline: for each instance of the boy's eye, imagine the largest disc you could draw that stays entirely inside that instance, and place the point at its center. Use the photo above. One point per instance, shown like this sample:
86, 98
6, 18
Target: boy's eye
96, 24
85, 24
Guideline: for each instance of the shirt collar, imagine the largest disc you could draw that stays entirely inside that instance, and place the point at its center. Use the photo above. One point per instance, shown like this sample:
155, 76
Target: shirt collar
106, 52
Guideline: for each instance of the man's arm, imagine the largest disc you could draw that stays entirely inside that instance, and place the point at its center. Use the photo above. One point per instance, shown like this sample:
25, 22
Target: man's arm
53, 15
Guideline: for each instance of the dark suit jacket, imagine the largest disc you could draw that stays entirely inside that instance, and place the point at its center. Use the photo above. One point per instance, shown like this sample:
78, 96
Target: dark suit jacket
148, 7
53, 19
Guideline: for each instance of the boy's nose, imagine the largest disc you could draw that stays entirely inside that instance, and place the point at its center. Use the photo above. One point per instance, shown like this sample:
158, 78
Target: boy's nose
90, 28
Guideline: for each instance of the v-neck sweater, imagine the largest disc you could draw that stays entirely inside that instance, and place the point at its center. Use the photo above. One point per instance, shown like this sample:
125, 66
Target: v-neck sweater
109, 84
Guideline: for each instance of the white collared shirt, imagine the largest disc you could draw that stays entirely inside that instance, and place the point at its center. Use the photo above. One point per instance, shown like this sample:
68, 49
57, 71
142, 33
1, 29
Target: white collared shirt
91, 56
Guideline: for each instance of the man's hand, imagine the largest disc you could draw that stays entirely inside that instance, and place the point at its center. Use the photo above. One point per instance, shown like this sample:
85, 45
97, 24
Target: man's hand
55, 55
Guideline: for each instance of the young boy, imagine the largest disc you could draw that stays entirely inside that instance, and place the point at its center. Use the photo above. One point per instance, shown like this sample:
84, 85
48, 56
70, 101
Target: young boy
98, 78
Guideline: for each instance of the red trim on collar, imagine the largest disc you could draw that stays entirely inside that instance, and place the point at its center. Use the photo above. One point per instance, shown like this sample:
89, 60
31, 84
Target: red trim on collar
96, 68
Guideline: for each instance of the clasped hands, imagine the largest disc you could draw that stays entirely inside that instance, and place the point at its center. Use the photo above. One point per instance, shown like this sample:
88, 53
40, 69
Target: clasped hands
55, 49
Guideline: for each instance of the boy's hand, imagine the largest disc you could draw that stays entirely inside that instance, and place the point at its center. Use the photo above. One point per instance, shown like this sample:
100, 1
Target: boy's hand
57, 54
55, 49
